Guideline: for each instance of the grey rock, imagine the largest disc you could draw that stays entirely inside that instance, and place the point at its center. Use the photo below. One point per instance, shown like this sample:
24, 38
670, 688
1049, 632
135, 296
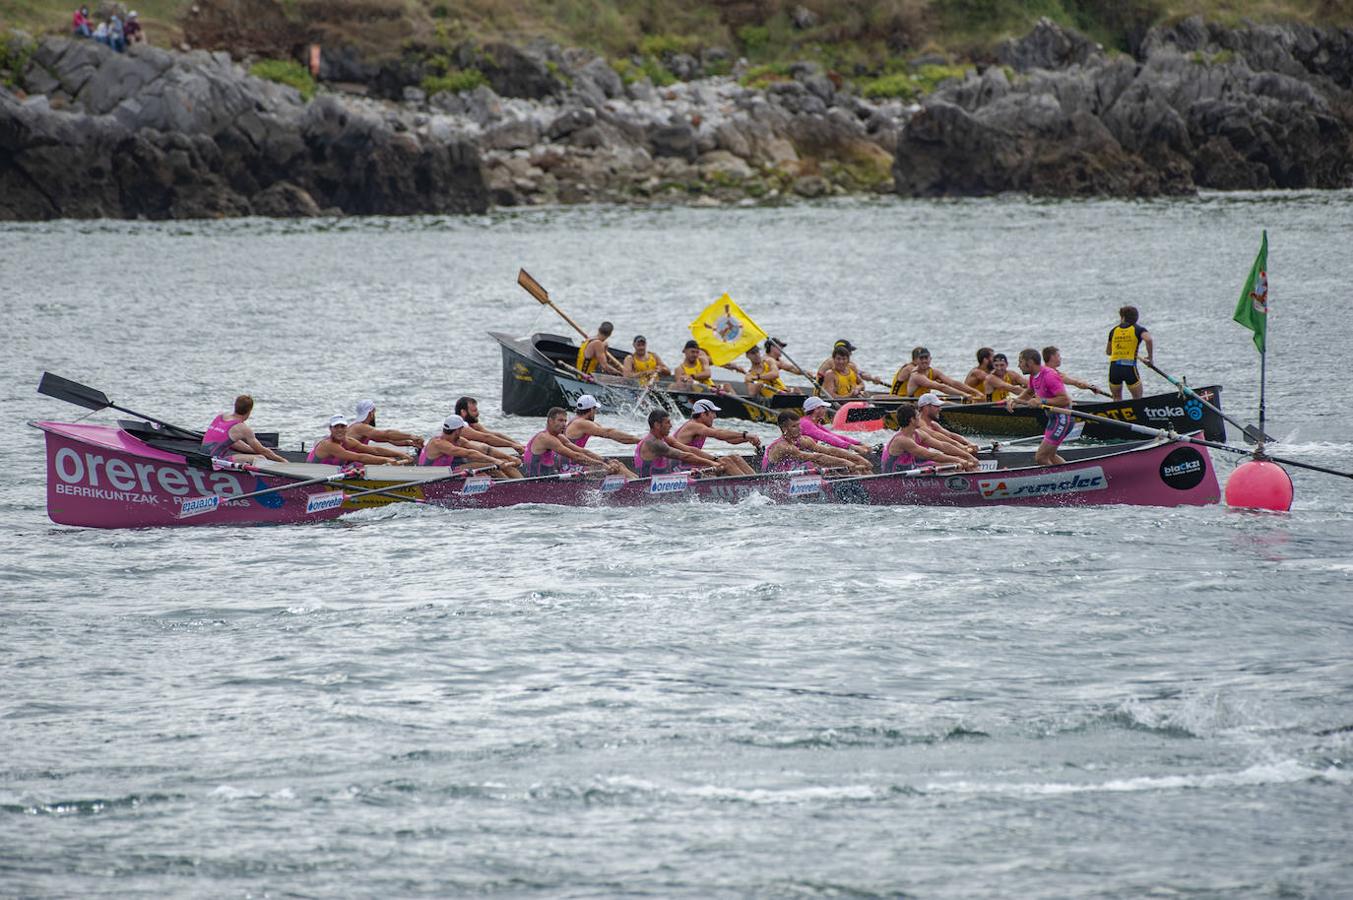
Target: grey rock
569, 121
803, 18
599, 72
284, 200
414, 95
683, 66
812, 186
1049, 46
511, 134
676, 140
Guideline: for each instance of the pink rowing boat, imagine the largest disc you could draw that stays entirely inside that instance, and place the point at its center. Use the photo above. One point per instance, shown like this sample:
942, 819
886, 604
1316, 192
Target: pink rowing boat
99, 476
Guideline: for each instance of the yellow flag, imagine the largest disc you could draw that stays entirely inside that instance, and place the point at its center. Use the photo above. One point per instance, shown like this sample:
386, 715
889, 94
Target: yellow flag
725, 332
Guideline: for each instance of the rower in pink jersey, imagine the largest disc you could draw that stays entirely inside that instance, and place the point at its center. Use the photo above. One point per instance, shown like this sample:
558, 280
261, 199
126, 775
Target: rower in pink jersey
793, 449
543, 451
659, 452
338, 449
928, 407
813, 425
229, 437
909, 447
450, 449
1045, 389
700, 428
583, 427
363, 430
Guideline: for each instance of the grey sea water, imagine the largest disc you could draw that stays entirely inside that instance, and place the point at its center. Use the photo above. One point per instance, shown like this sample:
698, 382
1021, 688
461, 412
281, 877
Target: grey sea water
692, 700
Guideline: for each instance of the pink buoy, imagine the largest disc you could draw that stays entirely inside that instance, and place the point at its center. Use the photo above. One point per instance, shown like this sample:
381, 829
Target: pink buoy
1259, 484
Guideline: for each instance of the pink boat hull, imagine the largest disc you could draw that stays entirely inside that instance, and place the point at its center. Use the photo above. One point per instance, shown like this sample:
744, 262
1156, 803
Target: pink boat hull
102, 477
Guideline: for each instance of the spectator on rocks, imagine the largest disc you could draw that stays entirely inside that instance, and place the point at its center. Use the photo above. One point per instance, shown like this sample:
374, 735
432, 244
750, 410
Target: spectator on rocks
101, 33
79, 23
117, 38
132, 29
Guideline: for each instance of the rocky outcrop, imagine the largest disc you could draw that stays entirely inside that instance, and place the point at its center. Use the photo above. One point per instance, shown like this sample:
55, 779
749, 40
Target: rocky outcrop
156, 134
1205, 107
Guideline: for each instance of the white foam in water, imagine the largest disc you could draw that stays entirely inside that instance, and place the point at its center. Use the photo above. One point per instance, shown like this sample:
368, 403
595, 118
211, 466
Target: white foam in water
1285, 772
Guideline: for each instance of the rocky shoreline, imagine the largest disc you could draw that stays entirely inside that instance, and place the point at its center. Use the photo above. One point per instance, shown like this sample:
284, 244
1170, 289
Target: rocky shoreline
159, 134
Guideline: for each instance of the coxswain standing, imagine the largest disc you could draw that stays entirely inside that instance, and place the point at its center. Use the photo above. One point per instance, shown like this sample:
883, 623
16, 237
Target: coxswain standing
1045, 387
793, 447
338, 448
544, 449
593, 355
813, 425
1052, 357
1124, 339
450, 448
659, 452
928, 408
919, 377
700, 428
911, 446
642, 365
228, 437
363, 430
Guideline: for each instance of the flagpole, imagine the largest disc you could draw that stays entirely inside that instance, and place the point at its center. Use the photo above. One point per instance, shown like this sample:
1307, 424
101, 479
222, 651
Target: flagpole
1263, 359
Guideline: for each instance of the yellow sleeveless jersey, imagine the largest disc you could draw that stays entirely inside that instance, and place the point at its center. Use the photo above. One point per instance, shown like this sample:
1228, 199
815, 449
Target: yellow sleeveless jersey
1123, 343
999, 396
846, 381
584, 364
929, 373
647, 364
768, 388
693, 370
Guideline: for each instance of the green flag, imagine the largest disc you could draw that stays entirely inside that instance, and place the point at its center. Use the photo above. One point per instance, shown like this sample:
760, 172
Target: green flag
1252, 310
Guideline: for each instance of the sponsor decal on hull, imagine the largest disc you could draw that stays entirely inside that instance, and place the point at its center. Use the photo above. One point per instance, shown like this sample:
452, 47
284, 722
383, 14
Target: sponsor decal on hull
1078, 481
478, 484
805, 485
320, 502
673, 483
1183, 469
92, 476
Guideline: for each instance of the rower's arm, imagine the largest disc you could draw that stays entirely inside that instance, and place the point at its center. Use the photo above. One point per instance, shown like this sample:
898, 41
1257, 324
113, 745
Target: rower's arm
687, 453
960, 386
662, 367
494, 438
383, 452
340, 452
398, 438
254, 446
1150, 347
1076, 382
733, 437
615, 434
571, 450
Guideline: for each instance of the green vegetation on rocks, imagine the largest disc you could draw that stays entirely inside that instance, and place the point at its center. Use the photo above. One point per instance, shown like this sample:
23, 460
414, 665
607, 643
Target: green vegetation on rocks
285, 71
453, 81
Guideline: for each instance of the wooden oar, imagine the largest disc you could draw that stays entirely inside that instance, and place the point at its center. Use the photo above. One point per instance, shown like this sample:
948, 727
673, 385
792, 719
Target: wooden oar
535, 289
1251, 432
1189, 439
390, 490
94, 399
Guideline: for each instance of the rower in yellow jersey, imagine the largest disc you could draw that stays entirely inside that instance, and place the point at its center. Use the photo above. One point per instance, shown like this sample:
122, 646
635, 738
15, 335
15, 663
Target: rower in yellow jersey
842, 380
763, 375
850, 349
920, 378
1001, 375
641, 364
592, 355
693, 371
1124, 339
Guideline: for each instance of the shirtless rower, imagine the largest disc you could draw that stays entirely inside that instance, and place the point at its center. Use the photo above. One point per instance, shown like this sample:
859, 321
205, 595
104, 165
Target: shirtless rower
593, 355
813, 424
544, 449
911, 446
775, 352
450, 448
700, 428
928, 408
842, 378
793, 447
985, 378
920, 377
583, 426
484, 439
763, 375
1045, 387
693, 372
1124, 340
850, 349
659, 452
339, 448
230, 437
363, 430
646, 367
1053, 357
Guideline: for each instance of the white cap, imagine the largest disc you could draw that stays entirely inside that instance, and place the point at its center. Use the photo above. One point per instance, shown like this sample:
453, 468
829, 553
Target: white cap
132, 14
813, 403
704, 406
586, 402
453, 422
364, 409
338, 419
931, 399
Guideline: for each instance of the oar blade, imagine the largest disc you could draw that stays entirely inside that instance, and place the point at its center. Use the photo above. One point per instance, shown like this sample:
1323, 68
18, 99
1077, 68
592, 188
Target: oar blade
532, 286
1254, 436
73, 392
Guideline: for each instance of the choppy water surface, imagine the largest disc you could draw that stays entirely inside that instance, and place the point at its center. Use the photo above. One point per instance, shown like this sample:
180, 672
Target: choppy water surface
692, 700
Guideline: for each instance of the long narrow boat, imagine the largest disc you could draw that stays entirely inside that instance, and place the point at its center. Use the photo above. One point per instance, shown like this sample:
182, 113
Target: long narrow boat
535, 379
1169, 412
99, 476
